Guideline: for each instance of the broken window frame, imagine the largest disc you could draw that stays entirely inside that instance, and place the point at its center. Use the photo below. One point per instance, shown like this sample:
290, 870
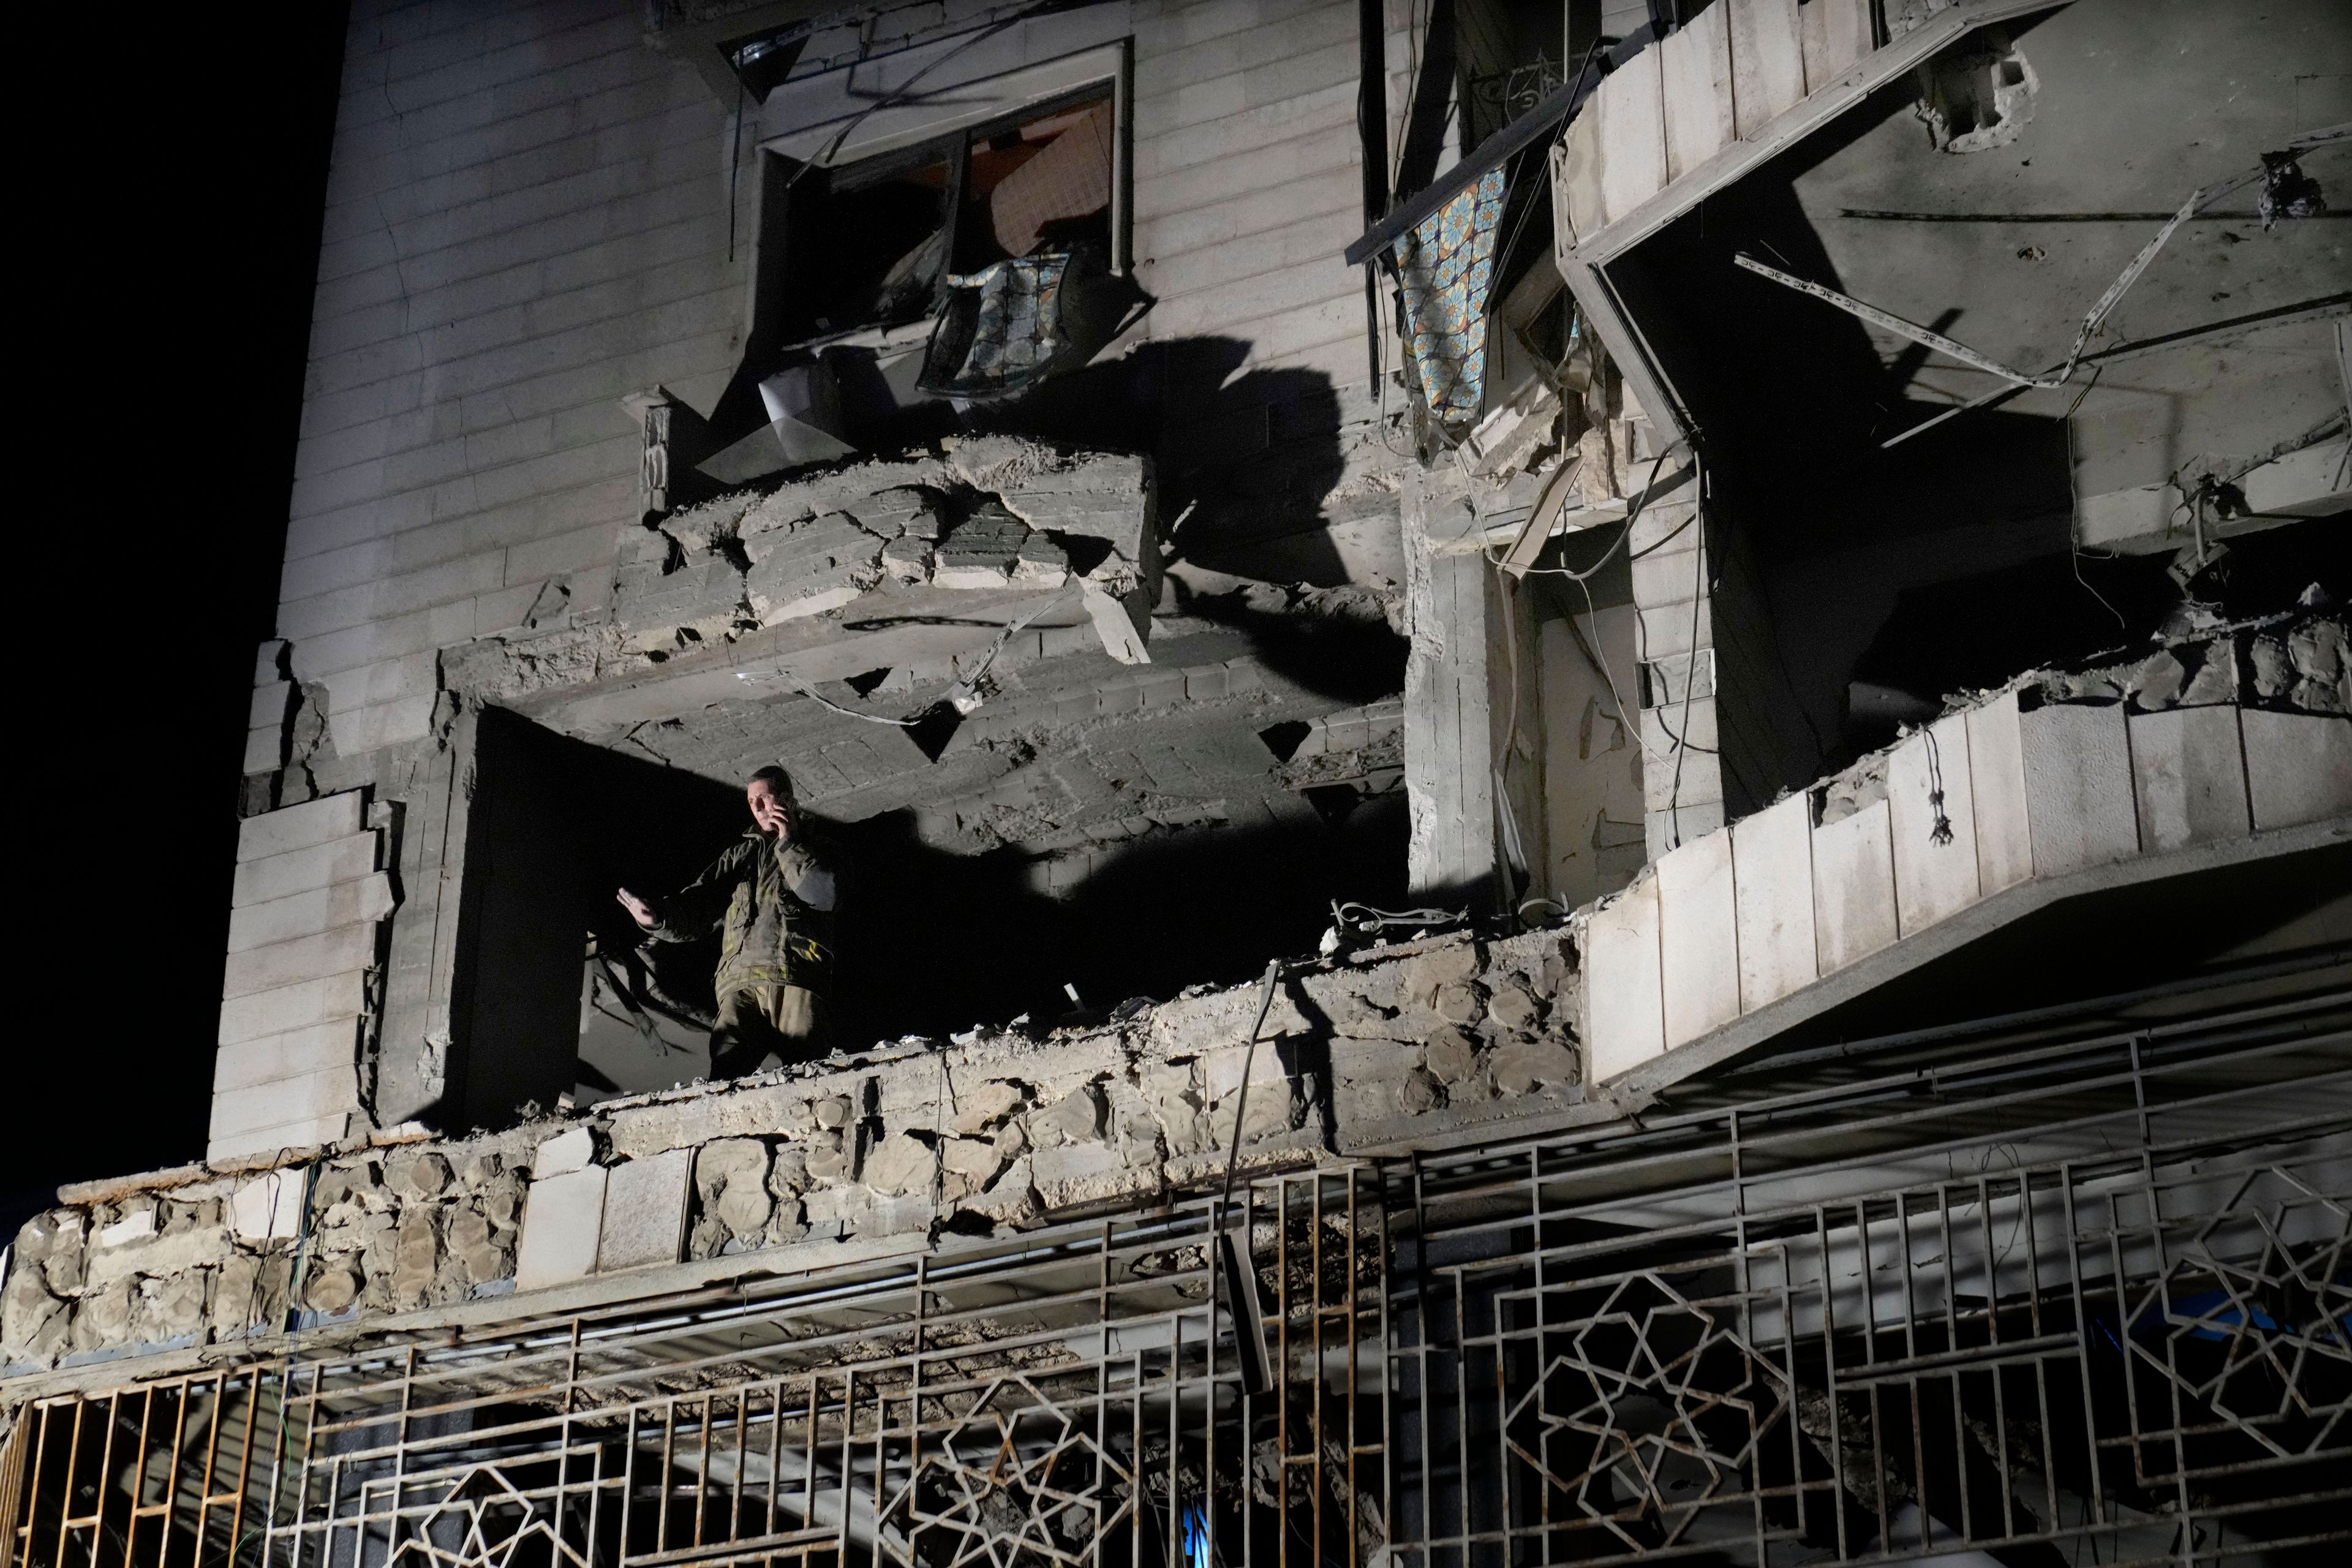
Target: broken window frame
777, 266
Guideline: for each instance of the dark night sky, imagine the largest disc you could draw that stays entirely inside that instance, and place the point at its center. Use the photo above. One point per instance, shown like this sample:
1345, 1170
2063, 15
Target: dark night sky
159, 374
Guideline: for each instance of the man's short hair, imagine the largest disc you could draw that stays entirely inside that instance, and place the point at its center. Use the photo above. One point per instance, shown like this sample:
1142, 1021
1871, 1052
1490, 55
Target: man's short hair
778, 782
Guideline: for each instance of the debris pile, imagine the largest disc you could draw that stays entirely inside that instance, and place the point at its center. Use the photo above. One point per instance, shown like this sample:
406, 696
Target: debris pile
1009, 1127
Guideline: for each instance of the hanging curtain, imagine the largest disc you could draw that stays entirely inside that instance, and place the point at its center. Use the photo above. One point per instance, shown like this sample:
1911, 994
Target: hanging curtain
1002, 328
1446, 265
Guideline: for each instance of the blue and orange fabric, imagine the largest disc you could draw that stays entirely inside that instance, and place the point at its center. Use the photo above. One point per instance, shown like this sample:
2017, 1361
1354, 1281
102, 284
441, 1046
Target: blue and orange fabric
1446, 265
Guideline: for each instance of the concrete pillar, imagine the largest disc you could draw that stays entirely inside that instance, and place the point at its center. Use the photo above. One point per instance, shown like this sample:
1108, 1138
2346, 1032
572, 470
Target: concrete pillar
1448, 737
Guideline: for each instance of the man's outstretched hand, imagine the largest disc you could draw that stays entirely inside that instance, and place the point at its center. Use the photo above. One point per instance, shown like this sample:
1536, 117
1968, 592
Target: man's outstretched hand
639, 910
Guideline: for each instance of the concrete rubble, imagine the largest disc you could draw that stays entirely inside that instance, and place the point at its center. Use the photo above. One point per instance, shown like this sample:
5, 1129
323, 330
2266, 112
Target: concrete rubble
1394, 1045
981, 512
998, 1127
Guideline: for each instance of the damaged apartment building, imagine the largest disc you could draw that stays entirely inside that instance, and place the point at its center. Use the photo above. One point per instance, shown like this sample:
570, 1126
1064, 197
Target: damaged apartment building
1591, 766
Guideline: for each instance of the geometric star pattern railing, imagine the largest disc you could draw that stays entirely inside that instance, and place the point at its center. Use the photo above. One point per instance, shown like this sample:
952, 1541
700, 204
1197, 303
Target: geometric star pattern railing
2255, 1323
1600, 1350
1017, 1482
1645, 1410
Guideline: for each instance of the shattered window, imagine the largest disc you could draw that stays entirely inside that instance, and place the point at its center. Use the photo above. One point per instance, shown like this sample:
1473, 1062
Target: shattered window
884, 241
876, 245
1044, 185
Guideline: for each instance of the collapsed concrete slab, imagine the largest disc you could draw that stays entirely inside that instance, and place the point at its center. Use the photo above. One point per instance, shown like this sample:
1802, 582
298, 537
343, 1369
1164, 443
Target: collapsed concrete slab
870, 546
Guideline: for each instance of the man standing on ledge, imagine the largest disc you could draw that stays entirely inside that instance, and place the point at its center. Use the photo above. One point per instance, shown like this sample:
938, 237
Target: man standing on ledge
775, 960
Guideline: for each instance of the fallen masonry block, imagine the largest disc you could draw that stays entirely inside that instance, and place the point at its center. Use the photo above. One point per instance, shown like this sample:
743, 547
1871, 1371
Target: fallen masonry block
814, 566
562, 1224
643, 1219
981, 551
1202, 682
704, 598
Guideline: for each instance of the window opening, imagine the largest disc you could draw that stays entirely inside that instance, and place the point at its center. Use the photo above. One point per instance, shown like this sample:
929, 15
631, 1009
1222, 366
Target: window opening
884, 232
876, 242
1044, 183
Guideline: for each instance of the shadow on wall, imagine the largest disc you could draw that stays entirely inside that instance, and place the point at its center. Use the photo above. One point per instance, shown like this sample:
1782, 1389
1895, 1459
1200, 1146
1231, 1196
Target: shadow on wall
1339, 646
930, 942
1794, 419
934, 943
1246, 457
2107, 943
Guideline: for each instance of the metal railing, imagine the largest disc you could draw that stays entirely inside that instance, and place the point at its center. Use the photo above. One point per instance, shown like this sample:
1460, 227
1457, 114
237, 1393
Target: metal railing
2089, 1292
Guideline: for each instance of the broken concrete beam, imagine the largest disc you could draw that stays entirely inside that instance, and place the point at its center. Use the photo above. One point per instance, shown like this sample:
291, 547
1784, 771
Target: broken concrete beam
910, 512
703, 598
1190, 1025
697, 531
1123, 624
813, 566
1104, 495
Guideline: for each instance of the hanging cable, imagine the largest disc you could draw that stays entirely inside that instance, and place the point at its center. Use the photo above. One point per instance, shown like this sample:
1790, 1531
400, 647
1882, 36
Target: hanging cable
1690, 665
1584, 582
897, 93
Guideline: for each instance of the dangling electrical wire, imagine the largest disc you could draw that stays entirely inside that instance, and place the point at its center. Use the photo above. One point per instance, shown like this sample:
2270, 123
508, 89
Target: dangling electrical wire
1584, 582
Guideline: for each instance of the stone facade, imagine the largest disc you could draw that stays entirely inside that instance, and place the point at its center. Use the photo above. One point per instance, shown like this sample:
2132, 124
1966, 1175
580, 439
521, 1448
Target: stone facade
999, 1128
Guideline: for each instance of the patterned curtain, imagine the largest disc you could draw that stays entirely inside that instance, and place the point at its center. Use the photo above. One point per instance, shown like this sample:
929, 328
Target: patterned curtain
1001, 330
1446, 265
